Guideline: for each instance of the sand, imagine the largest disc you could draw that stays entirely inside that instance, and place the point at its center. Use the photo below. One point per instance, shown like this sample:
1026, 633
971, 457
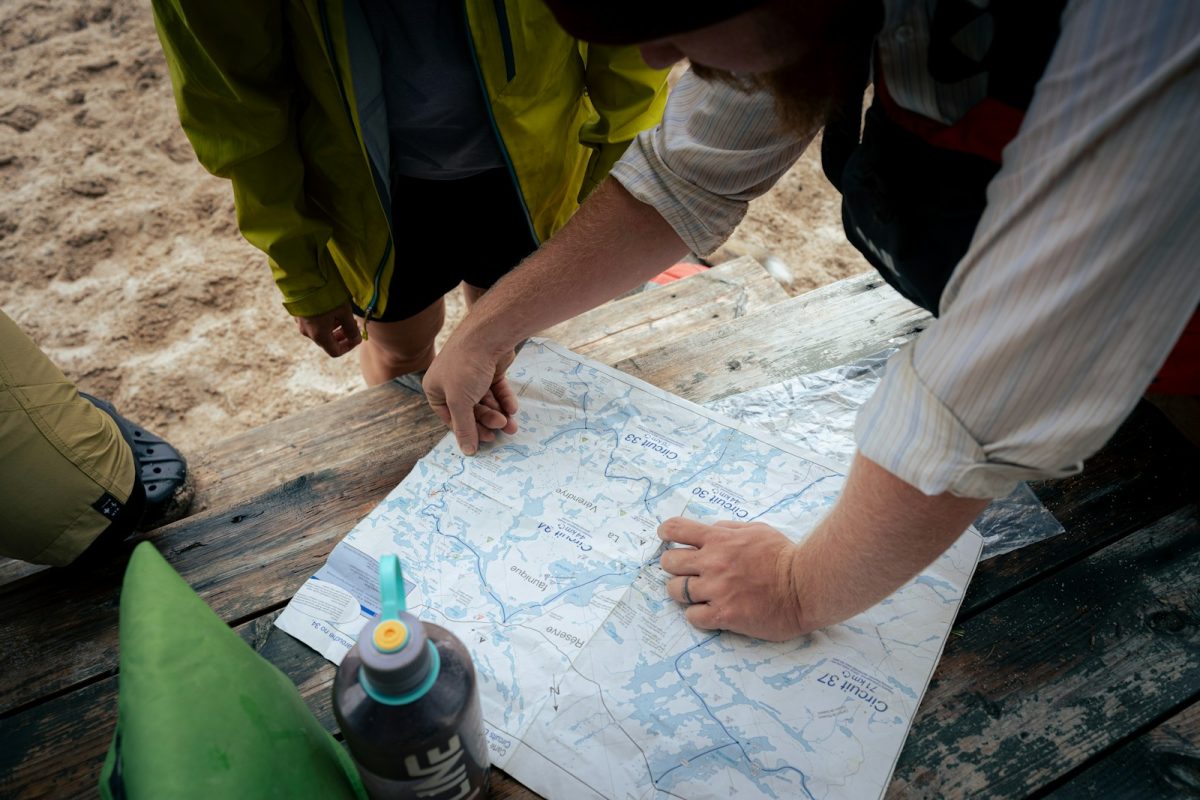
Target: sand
121, 257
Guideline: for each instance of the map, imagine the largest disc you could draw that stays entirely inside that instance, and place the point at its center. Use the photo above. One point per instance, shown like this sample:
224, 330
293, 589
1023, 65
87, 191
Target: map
540, 554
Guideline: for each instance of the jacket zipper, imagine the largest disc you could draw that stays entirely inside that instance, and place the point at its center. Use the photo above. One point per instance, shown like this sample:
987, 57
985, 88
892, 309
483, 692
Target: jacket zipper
386, 207
510, 67
510, 63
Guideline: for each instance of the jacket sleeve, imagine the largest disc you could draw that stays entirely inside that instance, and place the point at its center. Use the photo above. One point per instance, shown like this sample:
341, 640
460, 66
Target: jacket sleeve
235, 91
629, 98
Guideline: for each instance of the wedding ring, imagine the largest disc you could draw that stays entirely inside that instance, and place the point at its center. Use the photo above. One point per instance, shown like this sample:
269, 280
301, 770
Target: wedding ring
687, 596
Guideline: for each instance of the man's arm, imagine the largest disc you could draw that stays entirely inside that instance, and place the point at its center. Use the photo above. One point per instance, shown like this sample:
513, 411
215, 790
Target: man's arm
610, 246
1078, 282
880, 534
684, 185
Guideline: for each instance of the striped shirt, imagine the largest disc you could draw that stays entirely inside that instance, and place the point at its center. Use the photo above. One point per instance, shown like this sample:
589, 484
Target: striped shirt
1081, 274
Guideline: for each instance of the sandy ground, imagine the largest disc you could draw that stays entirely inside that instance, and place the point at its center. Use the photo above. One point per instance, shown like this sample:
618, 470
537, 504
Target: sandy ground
120, 256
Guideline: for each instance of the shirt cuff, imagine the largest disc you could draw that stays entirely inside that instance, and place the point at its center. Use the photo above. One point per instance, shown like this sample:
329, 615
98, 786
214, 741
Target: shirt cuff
908, 431
703, 220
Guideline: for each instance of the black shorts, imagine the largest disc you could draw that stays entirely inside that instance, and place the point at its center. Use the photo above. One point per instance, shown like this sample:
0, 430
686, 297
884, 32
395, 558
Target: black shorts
447, 232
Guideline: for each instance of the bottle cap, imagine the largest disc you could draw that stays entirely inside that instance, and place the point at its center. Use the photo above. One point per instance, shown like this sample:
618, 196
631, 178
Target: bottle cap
399, 663
390, 635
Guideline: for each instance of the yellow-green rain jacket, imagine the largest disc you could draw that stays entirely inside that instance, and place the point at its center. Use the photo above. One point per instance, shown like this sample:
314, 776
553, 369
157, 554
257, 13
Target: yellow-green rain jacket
285, 99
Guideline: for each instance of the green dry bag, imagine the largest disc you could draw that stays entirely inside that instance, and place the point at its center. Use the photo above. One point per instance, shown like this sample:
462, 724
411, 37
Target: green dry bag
200, 714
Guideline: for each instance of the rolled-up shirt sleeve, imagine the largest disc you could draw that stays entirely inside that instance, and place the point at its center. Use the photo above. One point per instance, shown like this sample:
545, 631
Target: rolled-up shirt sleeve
1081, 276
716, 149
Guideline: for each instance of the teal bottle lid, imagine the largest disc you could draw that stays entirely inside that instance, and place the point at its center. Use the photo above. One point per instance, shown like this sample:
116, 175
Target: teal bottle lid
399, 662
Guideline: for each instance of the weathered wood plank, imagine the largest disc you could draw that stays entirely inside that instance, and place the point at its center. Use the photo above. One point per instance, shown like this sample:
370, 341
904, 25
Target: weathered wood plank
1164, 762
59, 626
364, 426
1041, 682
11, 570
363, 445
653, 318
56, 749
1146, 471
280, 497
832, 325
234, 470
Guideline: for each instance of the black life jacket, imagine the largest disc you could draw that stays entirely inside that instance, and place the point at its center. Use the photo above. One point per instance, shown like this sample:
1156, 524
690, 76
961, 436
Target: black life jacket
913, 189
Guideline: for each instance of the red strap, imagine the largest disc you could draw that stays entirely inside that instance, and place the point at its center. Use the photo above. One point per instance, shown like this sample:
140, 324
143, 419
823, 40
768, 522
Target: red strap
681, 270
1181, 372
982, 131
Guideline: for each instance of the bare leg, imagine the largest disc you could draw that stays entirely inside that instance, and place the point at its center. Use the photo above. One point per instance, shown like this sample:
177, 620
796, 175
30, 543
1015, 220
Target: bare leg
393, 349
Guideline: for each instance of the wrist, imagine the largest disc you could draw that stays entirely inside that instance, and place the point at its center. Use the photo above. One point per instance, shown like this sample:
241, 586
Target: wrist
493, 334
800, 601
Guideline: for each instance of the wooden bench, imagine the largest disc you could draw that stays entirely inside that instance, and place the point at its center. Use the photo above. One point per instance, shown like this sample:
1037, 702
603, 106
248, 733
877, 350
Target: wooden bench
1074, 664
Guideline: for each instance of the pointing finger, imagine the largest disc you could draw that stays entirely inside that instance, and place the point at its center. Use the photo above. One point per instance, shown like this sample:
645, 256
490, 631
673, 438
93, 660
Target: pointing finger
462, 422
683, 531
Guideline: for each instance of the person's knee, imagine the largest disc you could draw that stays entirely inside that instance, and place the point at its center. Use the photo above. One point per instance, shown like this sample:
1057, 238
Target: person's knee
402, 357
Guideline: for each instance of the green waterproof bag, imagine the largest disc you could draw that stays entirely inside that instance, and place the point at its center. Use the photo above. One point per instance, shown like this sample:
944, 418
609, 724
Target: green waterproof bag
200, 714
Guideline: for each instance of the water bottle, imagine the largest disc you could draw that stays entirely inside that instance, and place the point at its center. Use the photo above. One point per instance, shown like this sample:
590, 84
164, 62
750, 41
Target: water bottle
407, 702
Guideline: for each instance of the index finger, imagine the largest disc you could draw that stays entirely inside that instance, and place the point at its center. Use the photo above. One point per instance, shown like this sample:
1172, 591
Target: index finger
459, 418
462, 422
683, 531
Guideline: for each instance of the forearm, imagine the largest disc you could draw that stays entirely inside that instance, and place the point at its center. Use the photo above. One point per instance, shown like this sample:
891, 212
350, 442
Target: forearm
880, 534
610, 246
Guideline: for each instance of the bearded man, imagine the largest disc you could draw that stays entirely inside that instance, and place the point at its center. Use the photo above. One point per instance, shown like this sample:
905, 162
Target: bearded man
1025, 171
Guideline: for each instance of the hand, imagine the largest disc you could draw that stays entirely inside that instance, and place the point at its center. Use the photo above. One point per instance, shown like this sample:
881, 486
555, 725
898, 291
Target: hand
335, 332
468, 390
742, 577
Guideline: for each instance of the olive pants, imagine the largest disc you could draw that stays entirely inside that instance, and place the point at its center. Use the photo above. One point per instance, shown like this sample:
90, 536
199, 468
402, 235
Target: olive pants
65, 470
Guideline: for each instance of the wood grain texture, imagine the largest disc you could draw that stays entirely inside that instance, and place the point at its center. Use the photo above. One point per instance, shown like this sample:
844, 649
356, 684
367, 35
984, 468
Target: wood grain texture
1038, 684
1164, 763
649, 319
1058, 658
56, 749
270, 505
60, 626
1144, 472
232, 471
832, 325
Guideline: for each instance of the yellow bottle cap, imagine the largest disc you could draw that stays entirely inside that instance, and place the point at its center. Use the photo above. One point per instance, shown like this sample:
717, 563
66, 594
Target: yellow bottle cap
390, 635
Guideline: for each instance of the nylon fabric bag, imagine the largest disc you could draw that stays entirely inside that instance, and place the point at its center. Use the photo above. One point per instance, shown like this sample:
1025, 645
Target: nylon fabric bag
200, 714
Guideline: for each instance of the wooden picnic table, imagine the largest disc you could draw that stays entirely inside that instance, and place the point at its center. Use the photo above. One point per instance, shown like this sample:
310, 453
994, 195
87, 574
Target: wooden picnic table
1073, 668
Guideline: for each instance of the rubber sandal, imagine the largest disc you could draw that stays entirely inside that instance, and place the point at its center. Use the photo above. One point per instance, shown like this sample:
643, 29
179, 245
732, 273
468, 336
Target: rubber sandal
162, 469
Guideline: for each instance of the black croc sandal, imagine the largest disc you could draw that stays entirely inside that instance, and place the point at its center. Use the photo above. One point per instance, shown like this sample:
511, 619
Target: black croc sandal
162, 469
